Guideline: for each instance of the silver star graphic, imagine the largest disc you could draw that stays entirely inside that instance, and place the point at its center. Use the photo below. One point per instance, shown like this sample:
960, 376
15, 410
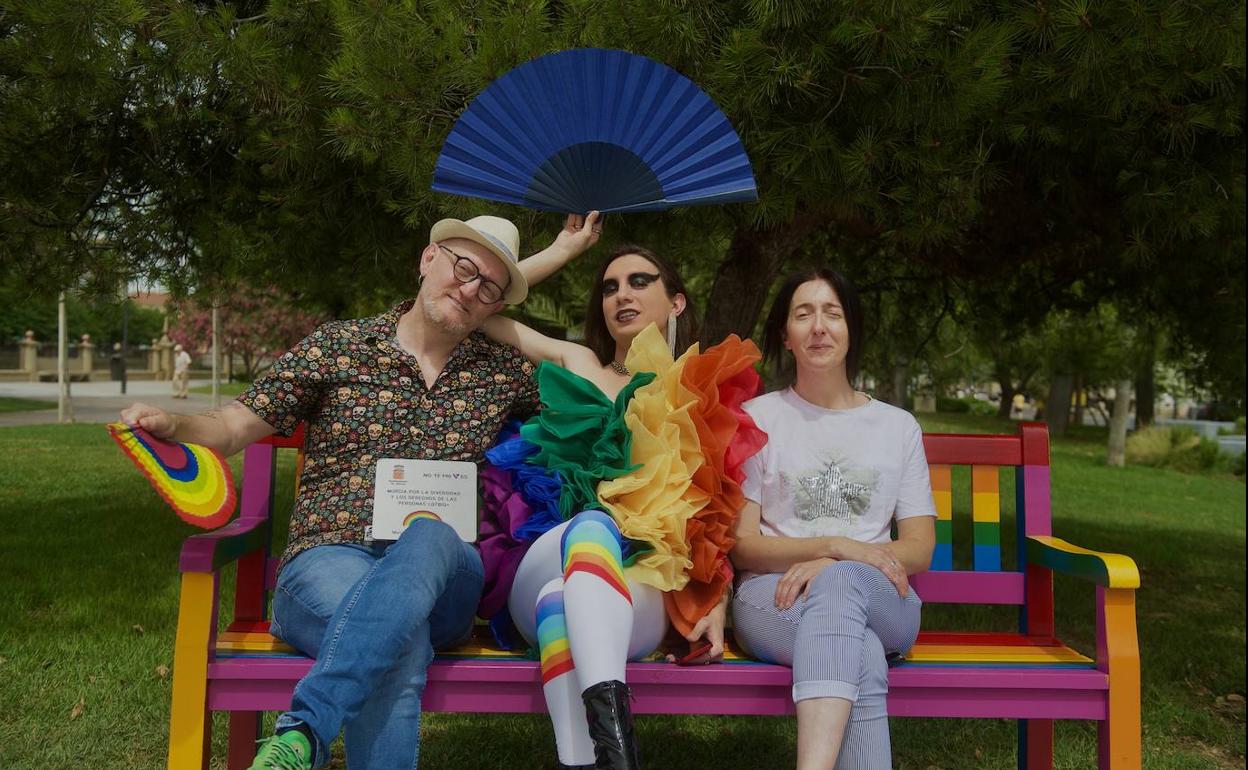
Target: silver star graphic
830, 494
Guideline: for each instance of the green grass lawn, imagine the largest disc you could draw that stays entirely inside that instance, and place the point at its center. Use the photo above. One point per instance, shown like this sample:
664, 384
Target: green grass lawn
88, 564
8, 404
227, 388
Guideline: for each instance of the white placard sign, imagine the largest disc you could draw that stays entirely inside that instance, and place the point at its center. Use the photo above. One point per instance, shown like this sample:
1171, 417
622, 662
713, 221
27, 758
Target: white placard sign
403, 489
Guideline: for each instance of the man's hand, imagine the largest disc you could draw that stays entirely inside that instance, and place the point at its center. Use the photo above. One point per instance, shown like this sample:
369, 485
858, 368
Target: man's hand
579, 233
227, 430
155, 421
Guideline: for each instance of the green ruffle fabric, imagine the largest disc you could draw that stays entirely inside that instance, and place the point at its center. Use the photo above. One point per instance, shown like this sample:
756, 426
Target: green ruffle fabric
581, 434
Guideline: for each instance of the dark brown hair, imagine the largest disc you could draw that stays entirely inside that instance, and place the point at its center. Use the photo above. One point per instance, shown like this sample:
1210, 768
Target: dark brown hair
598, 338
778, 318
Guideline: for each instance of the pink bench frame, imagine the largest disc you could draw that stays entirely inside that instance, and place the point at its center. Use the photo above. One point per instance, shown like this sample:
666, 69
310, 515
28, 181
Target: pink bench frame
1108, 693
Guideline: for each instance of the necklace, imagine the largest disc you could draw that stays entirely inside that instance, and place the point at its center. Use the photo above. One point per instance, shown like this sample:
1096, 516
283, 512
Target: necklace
619, 368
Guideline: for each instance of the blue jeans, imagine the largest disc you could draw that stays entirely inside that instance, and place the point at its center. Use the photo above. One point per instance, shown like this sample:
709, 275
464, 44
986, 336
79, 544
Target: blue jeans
372, 616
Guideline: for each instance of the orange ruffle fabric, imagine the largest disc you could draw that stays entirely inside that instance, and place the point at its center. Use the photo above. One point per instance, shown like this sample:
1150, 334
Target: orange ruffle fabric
722, 378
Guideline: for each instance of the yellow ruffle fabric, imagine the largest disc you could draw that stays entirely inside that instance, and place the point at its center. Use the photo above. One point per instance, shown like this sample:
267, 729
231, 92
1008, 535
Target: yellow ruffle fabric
654, 503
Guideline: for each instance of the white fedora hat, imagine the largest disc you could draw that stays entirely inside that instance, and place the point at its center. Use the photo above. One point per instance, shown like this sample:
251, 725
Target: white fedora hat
498, 235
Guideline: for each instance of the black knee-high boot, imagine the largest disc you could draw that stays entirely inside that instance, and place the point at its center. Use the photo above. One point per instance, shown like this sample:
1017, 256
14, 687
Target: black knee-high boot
611, 726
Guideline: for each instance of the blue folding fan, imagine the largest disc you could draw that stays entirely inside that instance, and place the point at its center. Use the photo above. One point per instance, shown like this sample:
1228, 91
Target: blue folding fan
598, 129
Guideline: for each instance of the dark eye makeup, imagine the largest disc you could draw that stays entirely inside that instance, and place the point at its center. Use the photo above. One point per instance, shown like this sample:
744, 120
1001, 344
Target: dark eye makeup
635, 280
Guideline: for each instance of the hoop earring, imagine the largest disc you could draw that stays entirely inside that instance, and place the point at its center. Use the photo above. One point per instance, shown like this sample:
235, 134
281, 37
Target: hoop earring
671, 332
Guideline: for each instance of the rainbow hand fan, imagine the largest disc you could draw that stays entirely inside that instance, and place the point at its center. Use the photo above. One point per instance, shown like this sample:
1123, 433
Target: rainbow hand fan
592, 128
193, 479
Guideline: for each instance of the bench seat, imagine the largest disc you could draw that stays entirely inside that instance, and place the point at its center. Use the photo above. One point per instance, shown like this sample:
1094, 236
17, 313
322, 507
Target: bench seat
1001, 675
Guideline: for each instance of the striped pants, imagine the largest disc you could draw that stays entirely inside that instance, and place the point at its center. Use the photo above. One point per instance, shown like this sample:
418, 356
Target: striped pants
836, 640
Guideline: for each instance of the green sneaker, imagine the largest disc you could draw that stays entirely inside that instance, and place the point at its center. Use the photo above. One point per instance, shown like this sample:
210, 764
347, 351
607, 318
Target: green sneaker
285, 751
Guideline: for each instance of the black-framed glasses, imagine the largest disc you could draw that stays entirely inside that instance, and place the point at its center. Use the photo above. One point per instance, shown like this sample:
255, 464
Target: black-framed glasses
466, 271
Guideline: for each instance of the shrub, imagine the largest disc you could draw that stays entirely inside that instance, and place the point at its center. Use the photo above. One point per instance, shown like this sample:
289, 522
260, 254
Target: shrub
1179, 447
982, 408
965, 406
1149, 446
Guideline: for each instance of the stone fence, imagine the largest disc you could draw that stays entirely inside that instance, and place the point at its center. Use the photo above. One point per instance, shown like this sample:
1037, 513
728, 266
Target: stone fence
85, 366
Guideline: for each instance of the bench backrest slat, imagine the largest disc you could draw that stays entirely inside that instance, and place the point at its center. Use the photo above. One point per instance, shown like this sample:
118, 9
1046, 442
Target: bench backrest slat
1027, 453
967, 587
942, 496
986, 517
972, 449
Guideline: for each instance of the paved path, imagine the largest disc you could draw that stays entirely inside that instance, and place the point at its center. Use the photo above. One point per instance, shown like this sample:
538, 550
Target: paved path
99, 402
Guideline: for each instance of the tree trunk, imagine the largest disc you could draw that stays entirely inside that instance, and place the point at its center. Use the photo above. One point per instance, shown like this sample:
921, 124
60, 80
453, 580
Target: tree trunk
1006, 381
740, 287
752, 264
883, 390
1146, 387
1081, 398
1105, 416
901, 382
1118, 424
1057, 408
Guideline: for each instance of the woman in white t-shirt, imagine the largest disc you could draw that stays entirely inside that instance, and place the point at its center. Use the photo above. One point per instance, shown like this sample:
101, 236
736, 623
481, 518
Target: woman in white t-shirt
823, 585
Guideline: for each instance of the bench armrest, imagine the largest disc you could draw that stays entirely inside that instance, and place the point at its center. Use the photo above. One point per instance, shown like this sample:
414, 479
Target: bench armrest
211, 551
1110, 570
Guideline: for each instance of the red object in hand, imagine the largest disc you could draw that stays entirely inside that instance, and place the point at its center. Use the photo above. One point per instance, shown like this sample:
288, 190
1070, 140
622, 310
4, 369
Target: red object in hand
696, 650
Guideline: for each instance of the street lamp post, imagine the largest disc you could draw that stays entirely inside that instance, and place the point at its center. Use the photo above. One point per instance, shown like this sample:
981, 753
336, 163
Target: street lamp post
125, 338
216, 356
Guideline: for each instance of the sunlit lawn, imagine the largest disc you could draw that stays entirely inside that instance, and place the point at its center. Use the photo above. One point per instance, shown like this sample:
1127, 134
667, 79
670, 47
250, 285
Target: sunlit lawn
9, 404
88, 604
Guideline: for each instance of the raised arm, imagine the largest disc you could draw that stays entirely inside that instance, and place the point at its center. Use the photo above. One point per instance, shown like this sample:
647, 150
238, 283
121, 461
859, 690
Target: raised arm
227, 430
579, 233
537, 347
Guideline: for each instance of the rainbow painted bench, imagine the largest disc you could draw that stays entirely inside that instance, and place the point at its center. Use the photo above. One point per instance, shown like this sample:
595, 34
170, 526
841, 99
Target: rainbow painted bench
1028, 675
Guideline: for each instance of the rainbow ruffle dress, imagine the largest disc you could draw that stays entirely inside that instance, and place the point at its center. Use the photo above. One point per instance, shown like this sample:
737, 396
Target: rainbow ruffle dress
663, 459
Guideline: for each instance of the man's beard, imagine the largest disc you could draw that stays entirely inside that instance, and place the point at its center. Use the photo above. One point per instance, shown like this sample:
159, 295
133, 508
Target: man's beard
438, 317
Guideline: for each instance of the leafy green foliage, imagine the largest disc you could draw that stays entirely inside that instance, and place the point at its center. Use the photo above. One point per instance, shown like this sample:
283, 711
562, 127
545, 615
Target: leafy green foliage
102, 318
1014, 151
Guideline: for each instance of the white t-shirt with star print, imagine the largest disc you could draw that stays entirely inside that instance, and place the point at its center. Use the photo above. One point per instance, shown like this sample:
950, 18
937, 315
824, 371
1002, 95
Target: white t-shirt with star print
846, 472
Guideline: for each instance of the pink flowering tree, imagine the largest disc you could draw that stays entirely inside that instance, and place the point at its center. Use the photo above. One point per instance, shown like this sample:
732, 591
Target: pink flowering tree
257, 326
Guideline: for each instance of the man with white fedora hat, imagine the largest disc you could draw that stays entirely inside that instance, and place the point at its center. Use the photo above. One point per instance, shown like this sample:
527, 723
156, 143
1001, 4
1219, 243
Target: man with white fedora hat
418, 382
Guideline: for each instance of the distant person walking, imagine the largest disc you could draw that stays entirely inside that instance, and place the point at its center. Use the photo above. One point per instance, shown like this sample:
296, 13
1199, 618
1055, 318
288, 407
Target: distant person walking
181, 371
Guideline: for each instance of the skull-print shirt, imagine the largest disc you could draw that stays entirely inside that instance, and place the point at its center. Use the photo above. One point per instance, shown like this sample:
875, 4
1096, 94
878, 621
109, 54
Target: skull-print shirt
362, 398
